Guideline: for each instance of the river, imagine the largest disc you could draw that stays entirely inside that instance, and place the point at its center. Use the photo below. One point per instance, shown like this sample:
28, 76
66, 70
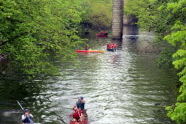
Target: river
122, 87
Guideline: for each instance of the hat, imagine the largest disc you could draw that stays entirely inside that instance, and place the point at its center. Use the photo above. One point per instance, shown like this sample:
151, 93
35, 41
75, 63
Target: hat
26, 110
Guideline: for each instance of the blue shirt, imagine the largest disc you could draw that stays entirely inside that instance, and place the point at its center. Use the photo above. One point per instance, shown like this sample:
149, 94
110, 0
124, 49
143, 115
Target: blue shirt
80, 105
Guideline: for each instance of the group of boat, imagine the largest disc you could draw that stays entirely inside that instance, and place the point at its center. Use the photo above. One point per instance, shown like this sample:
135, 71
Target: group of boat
110, 46
78, 115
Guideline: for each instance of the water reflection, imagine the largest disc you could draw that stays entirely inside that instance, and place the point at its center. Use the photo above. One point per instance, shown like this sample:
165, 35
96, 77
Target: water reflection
119, 87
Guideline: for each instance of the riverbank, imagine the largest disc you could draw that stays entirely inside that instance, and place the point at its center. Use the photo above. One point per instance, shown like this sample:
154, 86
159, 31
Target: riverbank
167, 19
111, 82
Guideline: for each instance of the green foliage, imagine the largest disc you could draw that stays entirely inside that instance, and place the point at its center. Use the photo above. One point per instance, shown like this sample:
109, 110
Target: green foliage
167, 18
152, 14
145, 11
177, 112
33, 31
165, 59
99, 13
177, 38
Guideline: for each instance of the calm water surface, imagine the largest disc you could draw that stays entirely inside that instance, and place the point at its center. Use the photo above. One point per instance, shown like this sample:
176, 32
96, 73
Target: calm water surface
123, 87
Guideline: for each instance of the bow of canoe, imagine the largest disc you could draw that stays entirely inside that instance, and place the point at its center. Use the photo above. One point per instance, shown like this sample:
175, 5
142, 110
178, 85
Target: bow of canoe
80, 122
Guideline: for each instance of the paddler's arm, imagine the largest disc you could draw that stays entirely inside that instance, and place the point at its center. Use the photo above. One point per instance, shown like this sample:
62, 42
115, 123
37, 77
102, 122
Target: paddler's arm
31, 115
23, 117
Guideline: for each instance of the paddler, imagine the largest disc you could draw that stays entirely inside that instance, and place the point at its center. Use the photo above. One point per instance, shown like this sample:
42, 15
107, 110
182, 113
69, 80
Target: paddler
27, 117
87, 47
80, 103
77, 114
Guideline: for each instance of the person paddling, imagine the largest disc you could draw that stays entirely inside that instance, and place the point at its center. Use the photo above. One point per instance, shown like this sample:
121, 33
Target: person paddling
27, 117
76, 114
80, 103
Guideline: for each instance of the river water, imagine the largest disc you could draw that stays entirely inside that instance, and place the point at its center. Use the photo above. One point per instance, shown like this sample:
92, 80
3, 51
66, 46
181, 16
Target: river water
122, 87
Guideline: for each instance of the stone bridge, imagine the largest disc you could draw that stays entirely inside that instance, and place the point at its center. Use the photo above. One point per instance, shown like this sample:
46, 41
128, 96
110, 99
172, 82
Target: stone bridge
119, 19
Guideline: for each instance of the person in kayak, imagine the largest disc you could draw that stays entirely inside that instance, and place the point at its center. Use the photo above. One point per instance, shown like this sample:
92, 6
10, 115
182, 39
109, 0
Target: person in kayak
87, 47
80, 103
77, 114
27, 117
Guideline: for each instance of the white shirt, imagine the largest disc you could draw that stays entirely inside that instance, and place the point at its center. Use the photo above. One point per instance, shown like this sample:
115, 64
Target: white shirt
24, 116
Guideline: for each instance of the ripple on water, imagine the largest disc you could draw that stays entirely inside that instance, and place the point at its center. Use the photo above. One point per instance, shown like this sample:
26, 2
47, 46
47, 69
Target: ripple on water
120, 87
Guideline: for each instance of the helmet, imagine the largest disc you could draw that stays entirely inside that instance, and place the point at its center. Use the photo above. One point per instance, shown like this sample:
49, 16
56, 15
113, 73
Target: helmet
26, 110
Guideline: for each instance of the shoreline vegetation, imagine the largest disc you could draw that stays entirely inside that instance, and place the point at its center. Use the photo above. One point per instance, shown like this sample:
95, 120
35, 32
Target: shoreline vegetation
34, 34
167, 18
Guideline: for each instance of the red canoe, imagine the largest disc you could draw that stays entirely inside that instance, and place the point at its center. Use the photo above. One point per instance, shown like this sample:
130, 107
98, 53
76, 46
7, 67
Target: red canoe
81, 122
90, 51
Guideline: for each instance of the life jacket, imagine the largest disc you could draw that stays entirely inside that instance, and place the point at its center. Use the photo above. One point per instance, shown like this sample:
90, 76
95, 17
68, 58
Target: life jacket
80, 105
111, 45
27, 120
76, 114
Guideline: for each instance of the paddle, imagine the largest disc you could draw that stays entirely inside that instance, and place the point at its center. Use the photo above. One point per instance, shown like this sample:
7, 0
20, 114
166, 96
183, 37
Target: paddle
60, 118
31, 122
20, 105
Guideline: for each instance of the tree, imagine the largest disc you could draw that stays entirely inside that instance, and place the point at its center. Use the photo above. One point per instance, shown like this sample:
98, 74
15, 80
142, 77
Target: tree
33, 31
167, 19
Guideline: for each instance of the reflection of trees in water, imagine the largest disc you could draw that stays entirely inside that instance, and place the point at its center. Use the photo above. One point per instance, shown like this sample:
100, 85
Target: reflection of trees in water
35, 93
3, 63
141, 42
130, 30
130, 34
18, 89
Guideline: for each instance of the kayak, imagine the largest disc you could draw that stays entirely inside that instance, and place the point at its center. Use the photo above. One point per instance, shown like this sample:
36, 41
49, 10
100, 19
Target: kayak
80, 122
90, 51
102, 34
112, 50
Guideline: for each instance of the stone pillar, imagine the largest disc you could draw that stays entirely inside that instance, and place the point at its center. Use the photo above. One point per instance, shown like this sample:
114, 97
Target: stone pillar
117, 19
